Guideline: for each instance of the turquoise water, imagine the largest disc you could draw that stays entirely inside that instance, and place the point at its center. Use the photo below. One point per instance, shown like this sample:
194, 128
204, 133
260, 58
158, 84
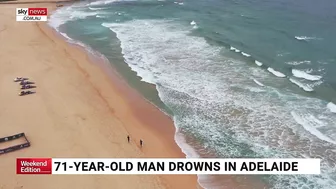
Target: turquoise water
240, 78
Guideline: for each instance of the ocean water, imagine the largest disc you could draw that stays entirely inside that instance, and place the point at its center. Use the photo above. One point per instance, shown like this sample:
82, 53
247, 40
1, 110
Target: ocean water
240, 78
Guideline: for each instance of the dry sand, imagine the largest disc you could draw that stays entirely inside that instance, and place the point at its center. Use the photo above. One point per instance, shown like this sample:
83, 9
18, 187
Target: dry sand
77, 111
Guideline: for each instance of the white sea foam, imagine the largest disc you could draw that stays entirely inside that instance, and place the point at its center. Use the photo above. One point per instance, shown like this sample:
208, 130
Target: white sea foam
196, 77
101, 38
332, 107
59, 17
101, 16
304, 75
301, 85
276, 73
204, 89
255, 89
258, 63
234, 49
179, 3
64, 14
308, 70
98, 8
311, 124
66, 36
245, 54
315, 84
305, 38
257, 82
102, 2
295, 63
194, 24
81, 15
107, 25
86, 47
282, 53
188, 150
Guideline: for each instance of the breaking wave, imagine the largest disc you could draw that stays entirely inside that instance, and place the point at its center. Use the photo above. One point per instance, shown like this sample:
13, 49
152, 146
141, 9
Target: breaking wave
101, 16
215, 100
234, 49
305, 38
304, 75
102, 2
301, 85
332, 107
257, 82
311, 124
295, 63
276, 73
258, 63
92, 8
245, 54
65, 14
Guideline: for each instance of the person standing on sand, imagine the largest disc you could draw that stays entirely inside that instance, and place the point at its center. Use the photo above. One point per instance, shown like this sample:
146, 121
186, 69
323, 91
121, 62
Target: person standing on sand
141, 143
128, 138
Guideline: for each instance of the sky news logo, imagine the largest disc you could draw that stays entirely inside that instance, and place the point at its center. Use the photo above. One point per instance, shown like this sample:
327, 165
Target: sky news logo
32, 14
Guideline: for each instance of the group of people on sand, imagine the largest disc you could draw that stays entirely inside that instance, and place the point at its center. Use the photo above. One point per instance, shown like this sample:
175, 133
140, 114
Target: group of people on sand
25, 84
128, 139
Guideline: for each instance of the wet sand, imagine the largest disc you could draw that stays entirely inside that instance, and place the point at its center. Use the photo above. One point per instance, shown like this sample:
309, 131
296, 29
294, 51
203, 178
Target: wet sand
82, 108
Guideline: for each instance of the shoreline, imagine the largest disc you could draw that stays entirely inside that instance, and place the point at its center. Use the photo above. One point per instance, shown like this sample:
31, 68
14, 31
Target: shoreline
138, 103
225, 181
75, 99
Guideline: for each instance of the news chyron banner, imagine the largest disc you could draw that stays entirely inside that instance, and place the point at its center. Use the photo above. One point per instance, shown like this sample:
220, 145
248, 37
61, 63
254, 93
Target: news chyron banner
81, 166
31, 14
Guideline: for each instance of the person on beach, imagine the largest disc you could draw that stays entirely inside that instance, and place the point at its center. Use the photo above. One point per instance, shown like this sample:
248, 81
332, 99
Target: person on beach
128, 138
141, 143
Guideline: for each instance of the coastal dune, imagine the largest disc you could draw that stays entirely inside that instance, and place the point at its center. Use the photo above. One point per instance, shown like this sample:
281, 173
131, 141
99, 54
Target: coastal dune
81, 108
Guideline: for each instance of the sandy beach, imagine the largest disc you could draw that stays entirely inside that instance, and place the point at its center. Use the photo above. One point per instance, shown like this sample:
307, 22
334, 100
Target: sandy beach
81, 108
